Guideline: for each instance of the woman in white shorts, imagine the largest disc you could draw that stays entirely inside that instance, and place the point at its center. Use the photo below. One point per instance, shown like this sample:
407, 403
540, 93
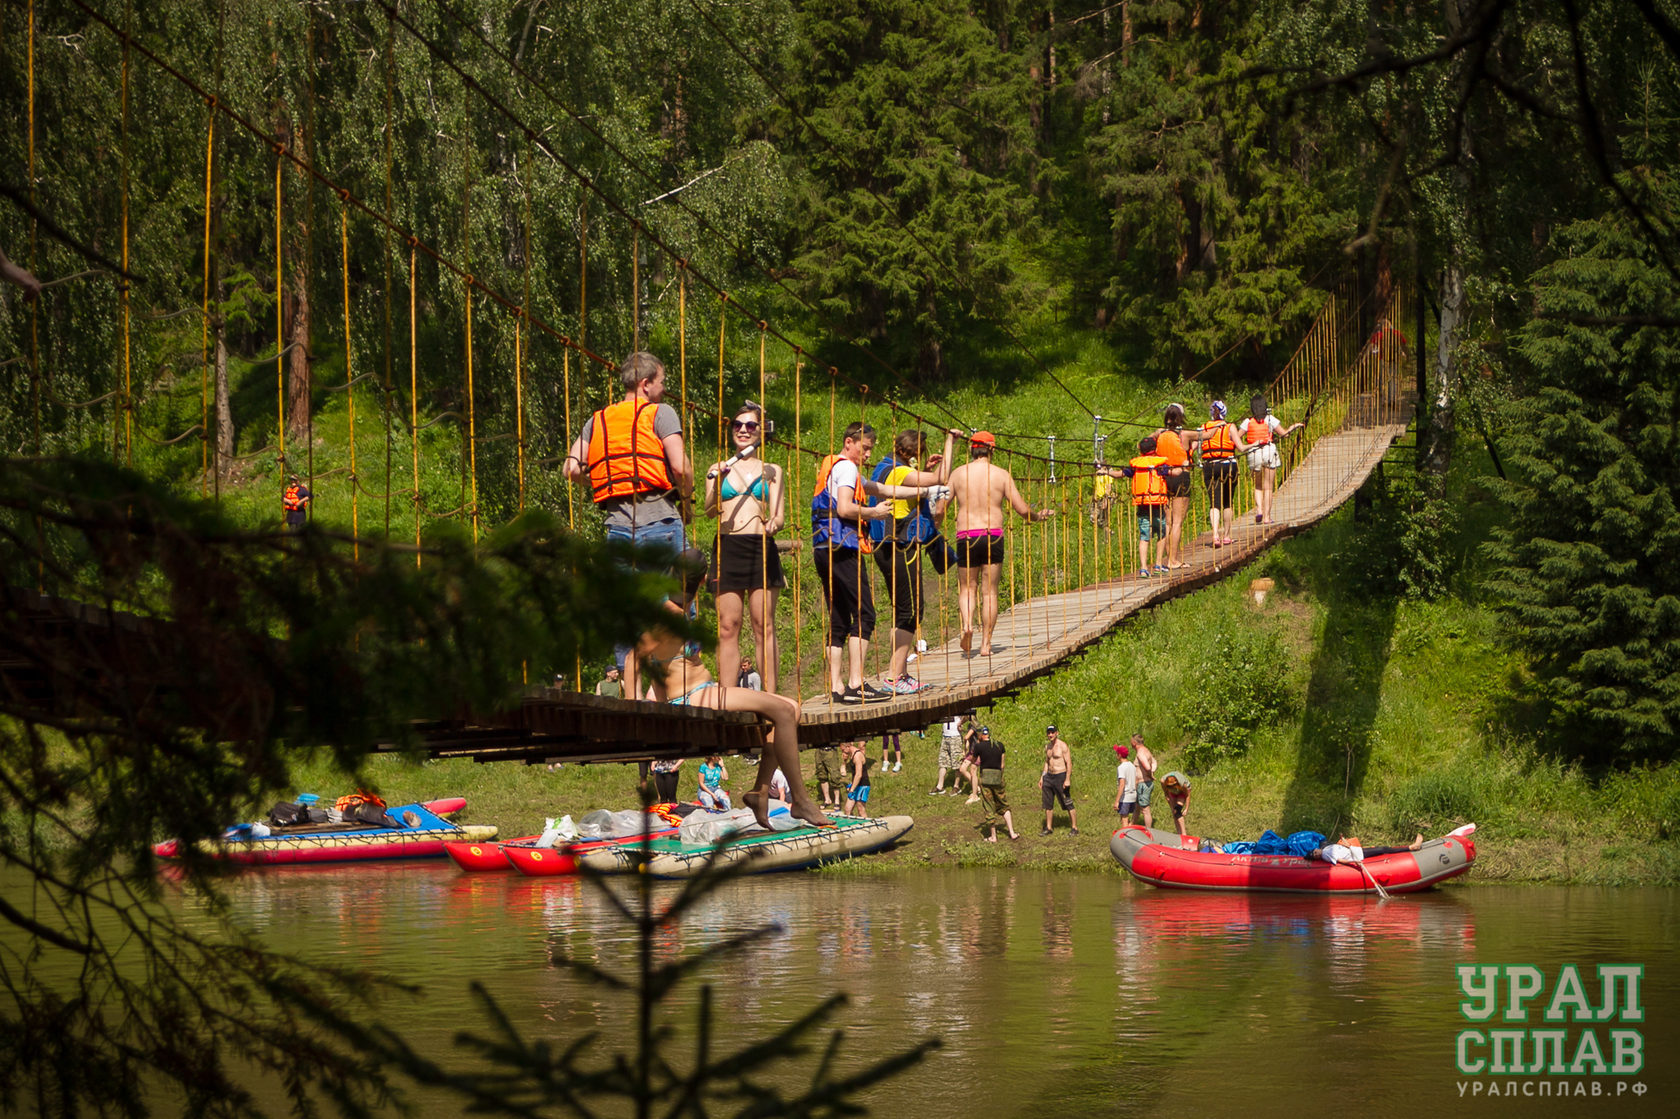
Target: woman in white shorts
1261, 433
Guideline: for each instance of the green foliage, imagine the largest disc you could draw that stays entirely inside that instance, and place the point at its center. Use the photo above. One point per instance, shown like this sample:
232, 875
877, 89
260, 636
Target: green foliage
1588, 572
1237, 689
181, 707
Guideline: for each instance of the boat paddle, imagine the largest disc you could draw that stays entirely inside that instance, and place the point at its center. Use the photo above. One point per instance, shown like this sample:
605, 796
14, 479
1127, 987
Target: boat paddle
1372, 879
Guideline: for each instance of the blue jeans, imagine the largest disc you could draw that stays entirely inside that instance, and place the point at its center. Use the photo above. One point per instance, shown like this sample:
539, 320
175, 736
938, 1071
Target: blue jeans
667, 532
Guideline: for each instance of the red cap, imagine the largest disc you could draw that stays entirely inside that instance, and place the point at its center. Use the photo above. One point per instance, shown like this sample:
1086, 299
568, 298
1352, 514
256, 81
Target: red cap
1122, 750
985, 438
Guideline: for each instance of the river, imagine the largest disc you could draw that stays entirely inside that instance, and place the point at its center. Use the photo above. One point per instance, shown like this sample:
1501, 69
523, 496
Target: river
1052, 994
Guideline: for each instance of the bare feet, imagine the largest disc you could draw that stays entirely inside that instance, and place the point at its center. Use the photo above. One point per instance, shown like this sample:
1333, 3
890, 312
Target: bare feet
992, 838
1417, 843
810, 813
967, 640
759, 802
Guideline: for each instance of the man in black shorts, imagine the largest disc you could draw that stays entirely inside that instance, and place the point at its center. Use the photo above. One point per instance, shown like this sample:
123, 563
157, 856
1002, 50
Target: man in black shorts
1056, 780
980, 490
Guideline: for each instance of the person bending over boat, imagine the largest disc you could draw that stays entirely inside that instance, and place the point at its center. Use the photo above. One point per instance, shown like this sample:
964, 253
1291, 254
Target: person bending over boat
1177, 787
680, 677
1351, 851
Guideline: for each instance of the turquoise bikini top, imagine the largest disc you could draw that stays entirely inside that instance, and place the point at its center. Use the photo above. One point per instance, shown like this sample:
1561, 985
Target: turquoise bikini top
759, 489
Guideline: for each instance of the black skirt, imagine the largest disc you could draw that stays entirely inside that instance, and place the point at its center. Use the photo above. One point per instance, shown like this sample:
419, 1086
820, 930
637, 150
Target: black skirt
747, 562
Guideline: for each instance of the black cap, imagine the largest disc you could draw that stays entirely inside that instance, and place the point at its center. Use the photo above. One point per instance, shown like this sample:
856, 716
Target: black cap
1050, 729
986, 732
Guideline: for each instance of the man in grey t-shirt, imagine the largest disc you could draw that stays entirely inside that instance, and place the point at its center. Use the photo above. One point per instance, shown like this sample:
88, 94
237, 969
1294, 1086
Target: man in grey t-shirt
631, 456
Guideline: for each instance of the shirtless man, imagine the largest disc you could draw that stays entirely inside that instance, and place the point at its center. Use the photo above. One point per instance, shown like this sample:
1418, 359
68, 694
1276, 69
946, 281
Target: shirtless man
980, 490
1055, 783
1146, 778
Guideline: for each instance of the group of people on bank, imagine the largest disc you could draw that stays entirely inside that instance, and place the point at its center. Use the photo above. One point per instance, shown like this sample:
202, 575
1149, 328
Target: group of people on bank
632, 457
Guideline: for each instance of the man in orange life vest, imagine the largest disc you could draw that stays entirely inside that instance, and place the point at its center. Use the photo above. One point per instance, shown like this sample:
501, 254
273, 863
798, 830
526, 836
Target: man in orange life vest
631, 455
295, 501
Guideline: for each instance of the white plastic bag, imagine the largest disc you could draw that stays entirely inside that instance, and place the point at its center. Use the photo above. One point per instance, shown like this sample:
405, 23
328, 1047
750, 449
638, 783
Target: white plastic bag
558, 831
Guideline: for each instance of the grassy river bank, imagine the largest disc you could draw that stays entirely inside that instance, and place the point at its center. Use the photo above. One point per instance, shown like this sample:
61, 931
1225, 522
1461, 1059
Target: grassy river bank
1324, 708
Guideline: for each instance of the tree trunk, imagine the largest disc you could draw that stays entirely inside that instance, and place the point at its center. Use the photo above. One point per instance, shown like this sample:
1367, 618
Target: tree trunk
1435, 443
224, 406
297, 363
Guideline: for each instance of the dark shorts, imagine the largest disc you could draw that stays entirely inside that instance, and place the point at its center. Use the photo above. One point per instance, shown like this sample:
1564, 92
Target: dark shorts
1178, 485
851, 603
1055, 792
900, 565
993, 802
979, 551
747, 562
828, 764
1145, 789
1221, 479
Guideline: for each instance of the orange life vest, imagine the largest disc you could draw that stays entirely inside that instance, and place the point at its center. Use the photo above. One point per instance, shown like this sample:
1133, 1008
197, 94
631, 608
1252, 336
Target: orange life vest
1220, 442
1170, 447
1148, 487
626, 455
292, 500
1259, 431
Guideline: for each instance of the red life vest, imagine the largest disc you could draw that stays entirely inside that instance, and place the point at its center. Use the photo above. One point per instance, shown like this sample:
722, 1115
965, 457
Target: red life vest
1220, 442
626, 455
1148, 487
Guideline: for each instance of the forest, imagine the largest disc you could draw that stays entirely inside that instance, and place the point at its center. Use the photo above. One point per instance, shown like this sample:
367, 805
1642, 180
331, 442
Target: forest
271, 236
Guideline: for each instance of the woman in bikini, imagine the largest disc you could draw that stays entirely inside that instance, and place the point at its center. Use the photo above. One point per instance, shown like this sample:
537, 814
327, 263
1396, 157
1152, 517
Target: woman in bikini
745, 494
679, 677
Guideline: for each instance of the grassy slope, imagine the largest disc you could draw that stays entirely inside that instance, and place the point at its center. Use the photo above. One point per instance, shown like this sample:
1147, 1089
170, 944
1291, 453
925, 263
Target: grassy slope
1396, 715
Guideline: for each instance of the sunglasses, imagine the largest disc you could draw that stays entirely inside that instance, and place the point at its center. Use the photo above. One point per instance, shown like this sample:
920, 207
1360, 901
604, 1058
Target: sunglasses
744, 425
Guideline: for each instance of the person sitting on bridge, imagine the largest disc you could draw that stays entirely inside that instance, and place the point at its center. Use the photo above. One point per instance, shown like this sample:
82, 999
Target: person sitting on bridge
631, 454
981, 489
680, 677
1351, 850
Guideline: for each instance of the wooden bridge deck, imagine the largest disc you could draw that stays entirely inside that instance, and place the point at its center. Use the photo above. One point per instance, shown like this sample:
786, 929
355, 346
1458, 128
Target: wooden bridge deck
1030, 641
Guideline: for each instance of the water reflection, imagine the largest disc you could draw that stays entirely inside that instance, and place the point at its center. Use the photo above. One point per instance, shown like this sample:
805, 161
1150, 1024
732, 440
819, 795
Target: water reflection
1079, 994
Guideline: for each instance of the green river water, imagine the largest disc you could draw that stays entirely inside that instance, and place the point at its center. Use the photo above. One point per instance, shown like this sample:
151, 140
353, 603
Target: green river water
1053, 995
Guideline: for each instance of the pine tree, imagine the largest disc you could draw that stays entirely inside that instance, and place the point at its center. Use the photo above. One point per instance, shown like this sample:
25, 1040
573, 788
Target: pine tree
1590, 565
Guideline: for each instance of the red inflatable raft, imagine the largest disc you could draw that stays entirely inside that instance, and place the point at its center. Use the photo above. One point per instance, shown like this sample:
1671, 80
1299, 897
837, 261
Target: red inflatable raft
545, 862
1161, 858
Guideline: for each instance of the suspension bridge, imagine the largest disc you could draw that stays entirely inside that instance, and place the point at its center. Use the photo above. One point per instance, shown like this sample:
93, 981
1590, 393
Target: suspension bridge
1067, 582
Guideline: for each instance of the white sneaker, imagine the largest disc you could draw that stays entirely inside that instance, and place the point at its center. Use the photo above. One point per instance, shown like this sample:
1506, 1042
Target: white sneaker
898, 767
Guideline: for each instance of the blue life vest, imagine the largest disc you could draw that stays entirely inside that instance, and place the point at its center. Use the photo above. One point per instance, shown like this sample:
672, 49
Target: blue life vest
918, 528
828, 530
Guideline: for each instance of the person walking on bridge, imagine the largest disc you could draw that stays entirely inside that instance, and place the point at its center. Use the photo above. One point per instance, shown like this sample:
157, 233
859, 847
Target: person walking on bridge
981, 489
1261, 433
631, 456
1219, 470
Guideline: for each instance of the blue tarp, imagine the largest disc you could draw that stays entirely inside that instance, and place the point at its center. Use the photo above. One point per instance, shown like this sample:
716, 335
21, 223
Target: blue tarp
1300, 843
